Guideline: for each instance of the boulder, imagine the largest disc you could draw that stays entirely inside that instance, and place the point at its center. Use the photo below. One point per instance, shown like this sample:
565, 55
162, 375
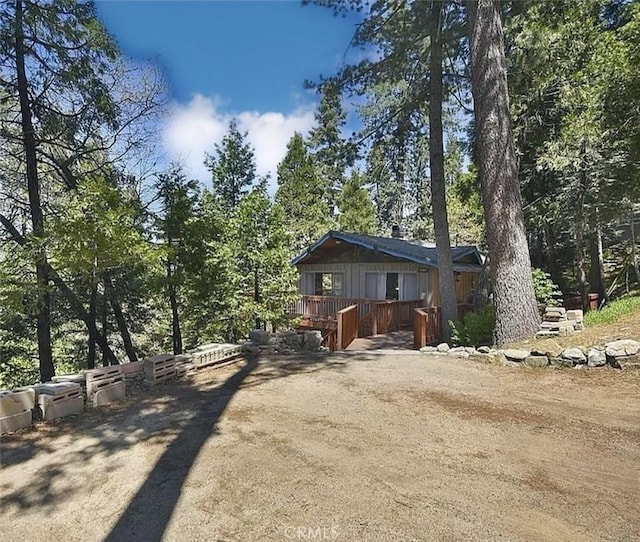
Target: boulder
551, 349
428, 349
574, 355
623, 353
493, 358
443, 347
558, 362
259, 336
536, 361
513, 354
484, 349
622, 348
312, 341
596, 357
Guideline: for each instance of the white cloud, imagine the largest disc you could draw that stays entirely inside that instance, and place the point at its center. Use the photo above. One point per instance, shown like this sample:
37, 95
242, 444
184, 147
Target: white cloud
194, 128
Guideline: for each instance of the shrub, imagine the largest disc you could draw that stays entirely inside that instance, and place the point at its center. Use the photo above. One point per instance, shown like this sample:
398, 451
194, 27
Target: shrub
547, 292
475, 329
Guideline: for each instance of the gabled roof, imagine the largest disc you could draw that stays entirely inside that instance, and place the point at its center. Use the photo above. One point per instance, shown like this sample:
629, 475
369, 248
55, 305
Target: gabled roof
411, 251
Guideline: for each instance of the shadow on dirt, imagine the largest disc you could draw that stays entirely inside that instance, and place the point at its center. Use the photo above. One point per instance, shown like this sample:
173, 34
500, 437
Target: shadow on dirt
180, 416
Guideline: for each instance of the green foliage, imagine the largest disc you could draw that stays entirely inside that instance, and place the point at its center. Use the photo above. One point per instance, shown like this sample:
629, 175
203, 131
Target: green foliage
357, 211
301, 195
615, 310
547, 292
233, 167
475, 329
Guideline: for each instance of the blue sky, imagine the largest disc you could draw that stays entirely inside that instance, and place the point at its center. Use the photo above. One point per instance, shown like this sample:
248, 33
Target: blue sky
247, 59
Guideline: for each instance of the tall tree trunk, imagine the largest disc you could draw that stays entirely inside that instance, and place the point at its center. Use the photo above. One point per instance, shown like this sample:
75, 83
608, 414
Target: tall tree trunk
597, 273
91, 348
256, 295
176, 333
120, 321
515, 302
438, 190
105, 325
71, 297
579, 228
37, 220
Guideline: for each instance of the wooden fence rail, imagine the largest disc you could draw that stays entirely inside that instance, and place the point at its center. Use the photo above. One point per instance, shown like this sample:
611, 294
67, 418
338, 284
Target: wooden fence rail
427, 326
347, 326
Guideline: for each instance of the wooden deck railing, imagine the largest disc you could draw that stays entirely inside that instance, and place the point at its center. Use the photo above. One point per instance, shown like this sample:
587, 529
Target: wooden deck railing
394, 315
328, 306
347, 326
427, 326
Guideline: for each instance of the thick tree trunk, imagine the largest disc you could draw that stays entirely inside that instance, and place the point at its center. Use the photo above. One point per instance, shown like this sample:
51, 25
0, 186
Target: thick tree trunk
176, 333
256, 295
438, 190
91, 348
105, 325
37, 220
120, 321
73, 300
515, 302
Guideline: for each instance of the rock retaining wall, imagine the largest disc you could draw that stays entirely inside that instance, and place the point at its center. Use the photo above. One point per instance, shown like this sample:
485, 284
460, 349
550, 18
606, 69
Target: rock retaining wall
620, 354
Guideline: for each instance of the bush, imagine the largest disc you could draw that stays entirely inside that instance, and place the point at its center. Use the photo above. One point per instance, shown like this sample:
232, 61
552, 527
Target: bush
475, 329
547, 291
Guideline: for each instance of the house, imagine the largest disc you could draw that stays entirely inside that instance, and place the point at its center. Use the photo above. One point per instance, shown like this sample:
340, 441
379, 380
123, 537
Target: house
383, 275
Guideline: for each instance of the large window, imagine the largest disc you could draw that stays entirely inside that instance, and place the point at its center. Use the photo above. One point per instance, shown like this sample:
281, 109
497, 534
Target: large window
329, 284
392, 286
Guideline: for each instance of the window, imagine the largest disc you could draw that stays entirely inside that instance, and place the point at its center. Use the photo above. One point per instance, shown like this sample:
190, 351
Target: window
329, 284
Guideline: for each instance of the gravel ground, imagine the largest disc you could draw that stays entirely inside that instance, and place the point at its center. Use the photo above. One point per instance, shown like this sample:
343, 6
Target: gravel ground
371, 446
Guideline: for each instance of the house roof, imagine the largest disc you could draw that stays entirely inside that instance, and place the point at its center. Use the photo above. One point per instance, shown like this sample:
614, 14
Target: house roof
411, 251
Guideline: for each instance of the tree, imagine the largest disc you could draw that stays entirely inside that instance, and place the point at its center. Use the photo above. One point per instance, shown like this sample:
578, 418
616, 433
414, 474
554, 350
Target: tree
514, 297
233, 168
178, 198
446, 280
267, 279
357, 212
332, 155
301, 194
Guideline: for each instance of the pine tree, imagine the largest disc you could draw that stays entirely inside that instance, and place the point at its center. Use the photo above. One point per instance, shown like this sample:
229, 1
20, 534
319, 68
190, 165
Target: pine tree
233, 167
514, 297
300, 194
357, 212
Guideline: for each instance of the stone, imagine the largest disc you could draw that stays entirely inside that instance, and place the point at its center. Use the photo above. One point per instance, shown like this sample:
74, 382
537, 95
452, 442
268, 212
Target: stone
596, 357
484, 349
17, 401
112, 392
9, 424
575, 355
462, 353
536, 361
312, 341
551, 349
623, 353
547, 333
428, 349
491, 358
559, 362
514, 354
443, 347
555, 310
259, 336
622, 348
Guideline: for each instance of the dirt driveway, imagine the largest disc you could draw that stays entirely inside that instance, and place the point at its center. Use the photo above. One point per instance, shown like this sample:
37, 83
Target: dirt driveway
393, 447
